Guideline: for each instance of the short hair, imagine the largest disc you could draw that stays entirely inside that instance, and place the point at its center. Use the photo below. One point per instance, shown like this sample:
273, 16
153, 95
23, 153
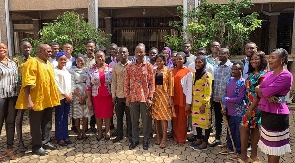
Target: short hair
183, 56
225, 50
53, 44
251, 43
161, 56
239, 63
263, 62
202, 48
98, 51
113, 44
186, 43
154, 48
25, 41
123, 47
283, 53
90, 41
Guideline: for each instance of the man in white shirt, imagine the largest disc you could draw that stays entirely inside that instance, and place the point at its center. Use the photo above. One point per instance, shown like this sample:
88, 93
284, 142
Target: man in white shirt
68, 49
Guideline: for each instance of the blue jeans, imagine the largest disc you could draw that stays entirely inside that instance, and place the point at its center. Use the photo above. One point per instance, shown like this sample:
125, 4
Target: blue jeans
234, 125
61, 120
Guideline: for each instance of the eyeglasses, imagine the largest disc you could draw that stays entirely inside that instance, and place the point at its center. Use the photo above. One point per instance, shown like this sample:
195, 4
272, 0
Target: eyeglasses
48, 51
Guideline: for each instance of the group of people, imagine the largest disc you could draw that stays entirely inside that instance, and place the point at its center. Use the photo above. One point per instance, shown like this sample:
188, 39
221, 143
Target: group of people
175, 91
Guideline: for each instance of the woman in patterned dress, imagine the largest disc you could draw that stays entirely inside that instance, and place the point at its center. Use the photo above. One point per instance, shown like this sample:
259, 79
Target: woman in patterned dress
161, 111
79, 107
201, 113
99, 96
251, 119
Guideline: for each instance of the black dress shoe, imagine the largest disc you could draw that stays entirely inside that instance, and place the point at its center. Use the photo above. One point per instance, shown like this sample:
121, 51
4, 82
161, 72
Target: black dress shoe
145, 145
215, 143
49, 146
192, 138
93, 129
117, 139
68, 141
40, 152
112, 126
133, 145
62, 143
114, 133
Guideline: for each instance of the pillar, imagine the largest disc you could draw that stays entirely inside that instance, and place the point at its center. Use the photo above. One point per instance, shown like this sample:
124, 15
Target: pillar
6, 33
36, 25
3, 28
108, 26
91, 12
273, 28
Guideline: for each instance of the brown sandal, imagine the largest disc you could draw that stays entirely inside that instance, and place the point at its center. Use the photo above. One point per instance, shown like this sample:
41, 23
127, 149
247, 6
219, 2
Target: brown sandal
10, 153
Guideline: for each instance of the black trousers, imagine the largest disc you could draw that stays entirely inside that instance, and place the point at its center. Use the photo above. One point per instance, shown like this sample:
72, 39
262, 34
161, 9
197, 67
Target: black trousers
8, 114
92, 121
218, 119
40, 124
120, 109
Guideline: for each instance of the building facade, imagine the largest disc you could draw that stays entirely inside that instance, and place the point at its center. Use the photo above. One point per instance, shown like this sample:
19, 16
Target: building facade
147, 21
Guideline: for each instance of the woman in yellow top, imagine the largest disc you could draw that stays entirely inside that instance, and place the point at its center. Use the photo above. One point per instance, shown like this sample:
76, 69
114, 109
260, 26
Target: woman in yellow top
161, 111
39, 94
201, 113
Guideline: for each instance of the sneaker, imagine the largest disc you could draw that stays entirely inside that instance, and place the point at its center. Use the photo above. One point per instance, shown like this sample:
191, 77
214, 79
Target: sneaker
215, 143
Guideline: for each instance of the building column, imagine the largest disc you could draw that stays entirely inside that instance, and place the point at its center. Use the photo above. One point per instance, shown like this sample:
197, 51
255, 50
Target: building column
273, 31
3, 27
292, 64
108, 26
36, 25
6, 33
91, 12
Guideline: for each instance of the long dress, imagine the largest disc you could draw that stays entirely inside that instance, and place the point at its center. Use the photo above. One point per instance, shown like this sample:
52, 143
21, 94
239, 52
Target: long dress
164, 90
99, 83
79, 77
201, 95
182, 96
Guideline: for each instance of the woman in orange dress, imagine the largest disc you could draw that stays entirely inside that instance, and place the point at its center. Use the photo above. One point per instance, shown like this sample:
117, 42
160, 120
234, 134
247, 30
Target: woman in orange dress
182, 98
163, 100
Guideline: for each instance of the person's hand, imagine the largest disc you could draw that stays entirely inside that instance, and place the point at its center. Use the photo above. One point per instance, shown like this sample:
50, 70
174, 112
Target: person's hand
149, 103
187, 107
248, 113
218, 98
30, 105
128, 102
202, 109
258, 91
114, 101
272, 99
171, 102
89, 104
223, 111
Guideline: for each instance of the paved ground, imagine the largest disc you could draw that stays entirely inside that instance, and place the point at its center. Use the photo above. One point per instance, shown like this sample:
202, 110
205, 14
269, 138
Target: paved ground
92, 151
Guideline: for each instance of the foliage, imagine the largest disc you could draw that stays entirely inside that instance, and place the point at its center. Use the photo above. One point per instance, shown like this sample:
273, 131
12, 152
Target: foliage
226, 24
70, 27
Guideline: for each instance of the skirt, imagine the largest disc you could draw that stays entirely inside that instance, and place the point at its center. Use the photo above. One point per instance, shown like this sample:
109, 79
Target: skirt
275, 134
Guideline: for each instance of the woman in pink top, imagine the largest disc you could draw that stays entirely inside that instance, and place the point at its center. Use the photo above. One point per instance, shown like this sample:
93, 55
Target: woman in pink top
274, 139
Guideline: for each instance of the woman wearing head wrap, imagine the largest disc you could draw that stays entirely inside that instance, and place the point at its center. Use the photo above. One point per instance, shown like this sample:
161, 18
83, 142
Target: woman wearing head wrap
64, 86
201, 113
167, 53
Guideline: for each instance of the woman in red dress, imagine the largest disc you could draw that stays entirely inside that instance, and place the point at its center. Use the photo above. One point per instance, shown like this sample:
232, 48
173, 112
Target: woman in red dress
99, 94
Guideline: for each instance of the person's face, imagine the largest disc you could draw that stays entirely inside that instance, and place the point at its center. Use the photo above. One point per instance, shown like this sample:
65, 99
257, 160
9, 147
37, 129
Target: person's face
113, 50
99, 57
236, 71
165, 53
45, 53
123, 54
255, 61
80, 62
223, 56
62, 61
250, 49
26, 48
199, 64
275, 60
215, 46
153, 53
90, 47
179, 61
174, 58
3, 50
186, 48
201, 52
55, 50
68, 49
139, 53
160, 62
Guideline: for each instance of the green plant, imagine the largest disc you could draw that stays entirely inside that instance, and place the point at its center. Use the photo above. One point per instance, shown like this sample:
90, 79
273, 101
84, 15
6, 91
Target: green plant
225, 23
70, 27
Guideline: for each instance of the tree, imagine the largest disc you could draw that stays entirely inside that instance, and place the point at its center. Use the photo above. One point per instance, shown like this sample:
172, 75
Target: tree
225, 23
70, 27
